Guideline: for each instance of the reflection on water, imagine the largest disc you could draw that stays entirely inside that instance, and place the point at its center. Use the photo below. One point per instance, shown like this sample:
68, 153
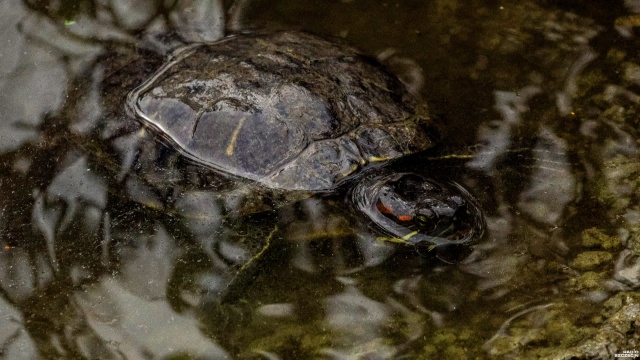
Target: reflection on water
115, 247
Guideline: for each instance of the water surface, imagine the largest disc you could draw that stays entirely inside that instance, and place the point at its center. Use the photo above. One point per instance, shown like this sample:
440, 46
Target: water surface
108, 256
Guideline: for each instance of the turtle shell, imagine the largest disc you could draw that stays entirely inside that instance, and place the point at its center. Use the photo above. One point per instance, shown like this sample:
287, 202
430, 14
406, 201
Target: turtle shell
289, 110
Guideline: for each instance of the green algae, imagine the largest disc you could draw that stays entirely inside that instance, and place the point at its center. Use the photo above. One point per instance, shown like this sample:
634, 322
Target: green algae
590, 260
619, 329
450, 344
540, 334
590, 280
596, 238
295, 340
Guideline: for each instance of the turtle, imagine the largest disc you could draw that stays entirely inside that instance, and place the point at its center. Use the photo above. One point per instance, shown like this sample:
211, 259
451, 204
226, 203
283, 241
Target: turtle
291, 115
287, 109
295, 112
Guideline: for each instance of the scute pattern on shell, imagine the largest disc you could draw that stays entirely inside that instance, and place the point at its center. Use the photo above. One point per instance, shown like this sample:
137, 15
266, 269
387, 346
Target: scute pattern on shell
289, 110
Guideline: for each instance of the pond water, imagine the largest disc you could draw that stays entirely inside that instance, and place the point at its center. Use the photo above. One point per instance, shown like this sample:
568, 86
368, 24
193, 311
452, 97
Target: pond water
106, 255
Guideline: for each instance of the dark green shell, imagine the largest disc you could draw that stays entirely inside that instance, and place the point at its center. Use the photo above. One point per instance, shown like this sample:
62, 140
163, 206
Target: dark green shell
289, 110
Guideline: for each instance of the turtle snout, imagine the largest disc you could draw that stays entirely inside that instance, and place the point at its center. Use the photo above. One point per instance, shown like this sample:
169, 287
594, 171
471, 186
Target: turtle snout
436, 215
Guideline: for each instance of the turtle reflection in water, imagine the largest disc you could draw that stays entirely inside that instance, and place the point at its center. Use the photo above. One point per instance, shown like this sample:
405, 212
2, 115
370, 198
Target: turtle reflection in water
296, 113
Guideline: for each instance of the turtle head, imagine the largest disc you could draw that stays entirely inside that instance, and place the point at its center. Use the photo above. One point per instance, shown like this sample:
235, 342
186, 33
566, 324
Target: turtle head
415, 210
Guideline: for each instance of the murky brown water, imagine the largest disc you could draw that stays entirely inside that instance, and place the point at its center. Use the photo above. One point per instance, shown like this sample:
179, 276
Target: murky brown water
108, 256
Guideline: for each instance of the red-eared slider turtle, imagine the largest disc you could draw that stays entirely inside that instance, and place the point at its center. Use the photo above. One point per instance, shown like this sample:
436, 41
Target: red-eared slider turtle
295, 112
289, 110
